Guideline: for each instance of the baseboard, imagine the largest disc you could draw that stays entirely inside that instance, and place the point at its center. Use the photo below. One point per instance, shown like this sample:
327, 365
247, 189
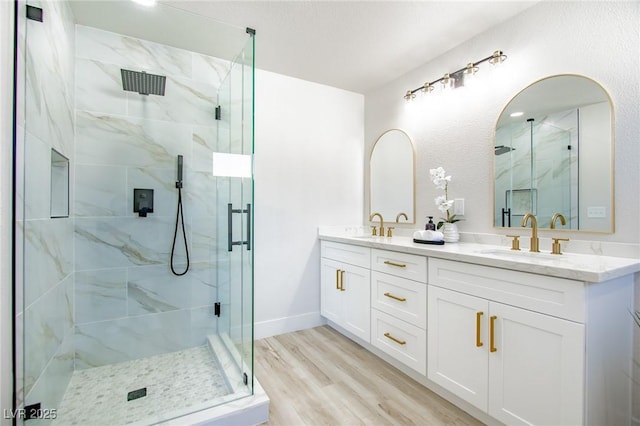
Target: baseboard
287, 325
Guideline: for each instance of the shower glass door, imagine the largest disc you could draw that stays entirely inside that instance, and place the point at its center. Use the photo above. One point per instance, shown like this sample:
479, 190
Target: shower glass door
235, 212
536, 171
551, 173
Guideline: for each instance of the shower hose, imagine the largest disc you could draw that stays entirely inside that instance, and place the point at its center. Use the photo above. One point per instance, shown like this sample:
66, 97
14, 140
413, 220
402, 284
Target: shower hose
180, 218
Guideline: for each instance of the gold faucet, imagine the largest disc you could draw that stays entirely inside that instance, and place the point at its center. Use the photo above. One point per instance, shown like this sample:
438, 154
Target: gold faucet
401, 214
381, 223
555, 246
555, 217
534, 232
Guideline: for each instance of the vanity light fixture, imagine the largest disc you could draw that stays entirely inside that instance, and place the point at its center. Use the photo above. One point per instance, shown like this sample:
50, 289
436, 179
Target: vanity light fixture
455, 79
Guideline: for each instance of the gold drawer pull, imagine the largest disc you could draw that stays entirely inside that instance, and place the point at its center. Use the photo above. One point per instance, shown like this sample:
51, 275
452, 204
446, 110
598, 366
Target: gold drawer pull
337, 279
342, 280
389, 336
399, 299
492, 329
399, 265
478, 319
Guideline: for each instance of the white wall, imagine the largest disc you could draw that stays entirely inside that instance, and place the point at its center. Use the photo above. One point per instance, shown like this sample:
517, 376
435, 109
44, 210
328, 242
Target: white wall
308, 172
6, 119
455, 130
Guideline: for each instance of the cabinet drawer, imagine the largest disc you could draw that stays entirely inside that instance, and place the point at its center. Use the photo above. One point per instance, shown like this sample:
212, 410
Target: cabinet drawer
403, 341
559, 297
402, 298
400, 264
353, 255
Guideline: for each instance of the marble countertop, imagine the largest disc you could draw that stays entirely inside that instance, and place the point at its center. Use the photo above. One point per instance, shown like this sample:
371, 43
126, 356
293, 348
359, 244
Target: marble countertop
582, 267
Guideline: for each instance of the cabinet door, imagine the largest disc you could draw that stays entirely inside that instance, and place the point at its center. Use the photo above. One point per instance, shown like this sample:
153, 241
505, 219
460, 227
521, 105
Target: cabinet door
458, 343
357, 301
536, 371
330, 294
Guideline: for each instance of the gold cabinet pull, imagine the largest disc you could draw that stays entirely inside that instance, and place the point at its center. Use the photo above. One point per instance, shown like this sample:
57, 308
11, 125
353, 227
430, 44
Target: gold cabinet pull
399, 265
337, 279
398, 341
492, 329
399, 299
478, 319
341, 280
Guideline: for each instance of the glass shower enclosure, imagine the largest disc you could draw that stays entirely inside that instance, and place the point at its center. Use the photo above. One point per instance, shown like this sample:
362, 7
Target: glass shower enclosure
134, 213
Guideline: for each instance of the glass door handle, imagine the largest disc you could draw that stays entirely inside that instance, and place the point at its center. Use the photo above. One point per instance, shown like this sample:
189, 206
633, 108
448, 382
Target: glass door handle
248, 242
506, 212
230, 212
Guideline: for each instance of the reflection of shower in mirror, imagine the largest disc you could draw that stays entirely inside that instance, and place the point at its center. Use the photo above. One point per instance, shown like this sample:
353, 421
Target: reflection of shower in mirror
501, 149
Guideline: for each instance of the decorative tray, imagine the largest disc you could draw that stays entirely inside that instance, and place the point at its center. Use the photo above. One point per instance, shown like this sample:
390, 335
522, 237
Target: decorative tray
437, 243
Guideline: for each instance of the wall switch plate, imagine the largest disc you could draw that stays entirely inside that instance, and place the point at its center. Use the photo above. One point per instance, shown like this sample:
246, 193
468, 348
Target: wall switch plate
458, 206
596, 212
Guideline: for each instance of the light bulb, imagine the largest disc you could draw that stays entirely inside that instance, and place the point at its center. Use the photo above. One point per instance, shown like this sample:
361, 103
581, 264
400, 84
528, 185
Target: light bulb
498, 57
409, 95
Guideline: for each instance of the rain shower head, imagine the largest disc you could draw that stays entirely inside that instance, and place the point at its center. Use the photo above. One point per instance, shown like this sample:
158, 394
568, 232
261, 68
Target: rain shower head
143, 83
501, 149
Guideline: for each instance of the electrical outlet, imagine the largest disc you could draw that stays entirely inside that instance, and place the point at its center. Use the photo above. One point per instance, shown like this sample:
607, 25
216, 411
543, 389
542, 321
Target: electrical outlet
596, 212
458, 206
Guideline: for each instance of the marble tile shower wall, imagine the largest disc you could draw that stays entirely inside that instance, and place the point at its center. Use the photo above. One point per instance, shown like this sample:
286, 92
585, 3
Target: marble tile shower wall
45, 119
513, 170
128, 304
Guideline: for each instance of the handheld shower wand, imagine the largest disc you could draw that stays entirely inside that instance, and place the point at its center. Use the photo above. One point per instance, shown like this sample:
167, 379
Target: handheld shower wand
179, 217
179, 182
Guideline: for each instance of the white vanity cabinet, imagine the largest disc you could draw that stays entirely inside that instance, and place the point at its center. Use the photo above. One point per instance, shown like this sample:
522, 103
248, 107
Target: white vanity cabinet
545, 341
513, 344
519, 366
345, 287
399, 307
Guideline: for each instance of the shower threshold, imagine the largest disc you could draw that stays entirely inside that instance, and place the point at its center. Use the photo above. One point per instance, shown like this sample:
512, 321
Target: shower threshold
195, 385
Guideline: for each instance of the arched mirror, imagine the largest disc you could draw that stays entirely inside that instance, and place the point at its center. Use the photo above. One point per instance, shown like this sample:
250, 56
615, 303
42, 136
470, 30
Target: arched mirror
554, 154
392, 182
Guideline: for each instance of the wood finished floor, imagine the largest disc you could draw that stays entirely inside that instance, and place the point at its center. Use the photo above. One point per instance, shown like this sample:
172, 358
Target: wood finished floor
319, 377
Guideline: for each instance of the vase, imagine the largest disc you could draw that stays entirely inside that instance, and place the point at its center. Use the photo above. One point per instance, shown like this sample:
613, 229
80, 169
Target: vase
450, 231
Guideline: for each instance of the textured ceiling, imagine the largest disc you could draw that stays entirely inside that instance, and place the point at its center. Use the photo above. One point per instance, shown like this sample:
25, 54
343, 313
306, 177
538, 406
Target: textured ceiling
354, 45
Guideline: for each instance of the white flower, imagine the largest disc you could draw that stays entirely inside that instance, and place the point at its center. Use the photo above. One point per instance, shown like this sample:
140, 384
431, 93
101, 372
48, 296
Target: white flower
438, 178
443, 204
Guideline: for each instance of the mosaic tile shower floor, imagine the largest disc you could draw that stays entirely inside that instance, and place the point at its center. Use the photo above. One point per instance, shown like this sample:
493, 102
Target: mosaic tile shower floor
178, 380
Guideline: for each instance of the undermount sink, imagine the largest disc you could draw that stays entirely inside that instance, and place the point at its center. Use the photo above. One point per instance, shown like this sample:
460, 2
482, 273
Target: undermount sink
520, 254
365, 237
